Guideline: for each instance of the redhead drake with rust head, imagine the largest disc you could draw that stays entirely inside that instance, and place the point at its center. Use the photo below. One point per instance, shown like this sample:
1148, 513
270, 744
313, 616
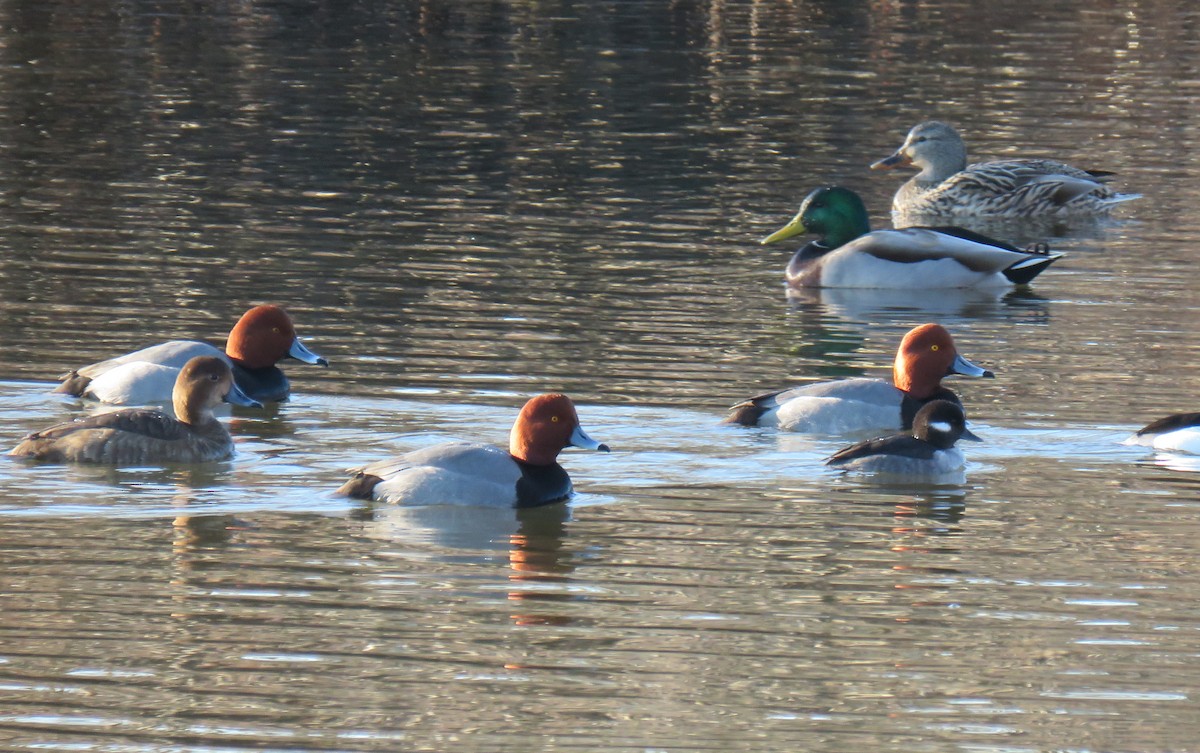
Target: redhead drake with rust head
848, 254
139, 436
846, 406
464, 473
263, 337
925, 452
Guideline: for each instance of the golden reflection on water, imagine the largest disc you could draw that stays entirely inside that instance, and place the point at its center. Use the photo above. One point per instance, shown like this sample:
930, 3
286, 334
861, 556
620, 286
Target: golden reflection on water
465, 204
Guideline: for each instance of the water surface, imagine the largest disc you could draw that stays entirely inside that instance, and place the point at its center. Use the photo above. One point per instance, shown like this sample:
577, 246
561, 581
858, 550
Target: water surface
466, 204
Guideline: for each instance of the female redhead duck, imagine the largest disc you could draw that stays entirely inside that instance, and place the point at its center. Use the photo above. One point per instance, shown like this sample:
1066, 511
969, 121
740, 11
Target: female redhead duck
927, 451
849, 254
260, 339
139, 436
926, 354
1179, 432
463, 473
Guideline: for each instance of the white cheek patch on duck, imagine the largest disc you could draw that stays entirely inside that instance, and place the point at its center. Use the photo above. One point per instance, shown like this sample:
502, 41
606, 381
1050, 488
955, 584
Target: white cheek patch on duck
940, 426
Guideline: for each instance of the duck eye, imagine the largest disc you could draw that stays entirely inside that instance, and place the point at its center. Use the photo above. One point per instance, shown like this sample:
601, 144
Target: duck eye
933, 347
921, 139
554, 419
214, 378
275, 330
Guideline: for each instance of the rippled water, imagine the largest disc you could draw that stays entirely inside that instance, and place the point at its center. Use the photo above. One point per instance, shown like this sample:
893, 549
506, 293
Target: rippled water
464, 204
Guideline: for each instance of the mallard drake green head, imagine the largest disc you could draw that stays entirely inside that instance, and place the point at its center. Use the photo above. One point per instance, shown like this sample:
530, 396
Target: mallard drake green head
836, 214
848, 254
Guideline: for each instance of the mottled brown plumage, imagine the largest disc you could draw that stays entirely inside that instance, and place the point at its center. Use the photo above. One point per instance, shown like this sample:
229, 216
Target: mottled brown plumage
947, 187
140, 436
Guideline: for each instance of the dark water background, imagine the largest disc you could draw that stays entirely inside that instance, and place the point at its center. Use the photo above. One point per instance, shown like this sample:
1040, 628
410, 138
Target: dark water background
466, 203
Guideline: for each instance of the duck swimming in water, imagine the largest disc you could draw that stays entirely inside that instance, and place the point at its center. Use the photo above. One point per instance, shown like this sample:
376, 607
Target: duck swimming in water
925, 452
844, 406
139, 436
262, 337
848, 254
466, 473
947, 187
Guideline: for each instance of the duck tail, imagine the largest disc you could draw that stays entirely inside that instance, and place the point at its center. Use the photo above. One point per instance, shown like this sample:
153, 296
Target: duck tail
360, 486
1031, 266
745, 414
73, 384
1119, 198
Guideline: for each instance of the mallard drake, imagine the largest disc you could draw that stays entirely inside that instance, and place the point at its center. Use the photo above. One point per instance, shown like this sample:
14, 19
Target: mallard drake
849, 254
948, 187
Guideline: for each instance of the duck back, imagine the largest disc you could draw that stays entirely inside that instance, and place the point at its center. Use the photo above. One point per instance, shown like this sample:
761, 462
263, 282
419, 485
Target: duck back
460, 473
128, 437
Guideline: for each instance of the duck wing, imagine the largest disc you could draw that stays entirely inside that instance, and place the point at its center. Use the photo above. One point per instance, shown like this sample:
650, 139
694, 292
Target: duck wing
876, 391
173, 354
452, 456
148, 423
976, 252
1170, 423
1017, 187
897, 444
463, 457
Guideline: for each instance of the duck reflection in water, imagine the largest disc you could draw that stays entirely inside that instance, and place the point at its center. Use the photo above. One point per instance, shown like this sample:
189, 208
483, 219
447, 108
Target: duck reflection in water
532, 539
206, 531
949, 305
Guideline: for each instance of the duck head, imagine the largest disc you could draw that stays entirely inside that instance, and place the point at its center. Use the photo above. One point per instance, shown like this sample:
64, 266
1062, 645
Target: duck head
264, 336
834, 213
203, 383
933, 147
941, 423
927, 354
547, 424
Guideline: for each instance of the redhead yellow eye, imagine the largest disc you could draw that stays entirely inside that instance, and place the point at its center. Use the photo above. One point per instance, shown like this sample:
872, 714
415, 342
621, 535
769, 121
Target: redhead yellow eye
554, 419
933, 347
275, 330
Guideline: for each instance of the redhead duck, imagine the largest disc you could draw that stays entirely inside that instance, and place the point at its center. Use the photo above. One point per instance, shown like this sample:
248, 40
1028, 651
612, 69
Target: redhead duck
463, 473
926, 451
260, 339
947, 186
849, 255
926, 354
138, 436
1179, 432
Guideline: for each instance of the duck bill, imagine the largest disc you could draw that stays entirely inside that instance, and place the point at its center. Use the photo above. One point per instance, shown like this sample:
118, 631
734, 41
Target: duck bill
899, 159
968, 434
238, 397
301, 353
793, 228
580, 438
964, 367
